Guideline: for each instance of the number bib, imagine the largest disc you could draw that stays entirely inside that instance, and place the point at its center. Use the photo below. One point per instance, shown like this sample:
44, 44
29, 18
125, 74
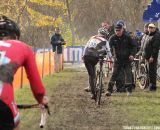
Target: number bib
92, 43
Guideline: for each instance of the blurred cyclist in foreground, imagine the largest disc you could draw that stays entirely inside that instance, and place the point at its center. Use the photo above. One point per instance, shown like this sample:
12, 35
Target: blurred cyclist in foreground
13, 55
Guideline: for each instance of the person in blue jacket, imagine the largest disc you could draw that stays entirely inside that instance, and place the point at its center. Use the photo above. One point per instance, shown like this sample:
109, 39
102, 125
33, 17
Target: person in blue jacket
57, 41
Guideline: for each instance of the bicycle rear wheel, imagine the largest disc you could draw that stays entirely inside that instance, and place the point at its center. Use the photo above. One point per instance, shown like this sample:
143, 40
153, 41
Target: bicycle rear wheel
143, 78
134, 72
158, 72
99, 88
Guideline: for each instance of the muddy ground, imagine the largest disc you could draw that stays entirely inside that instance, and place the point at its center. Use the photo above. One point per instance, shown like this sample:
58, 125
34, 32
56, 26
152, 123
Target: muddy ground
72, 108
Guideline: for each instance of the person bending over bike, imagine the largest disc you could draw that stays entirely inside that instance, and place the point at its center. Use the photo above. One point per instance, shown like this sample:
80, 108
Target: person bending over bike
95, 46
13, 55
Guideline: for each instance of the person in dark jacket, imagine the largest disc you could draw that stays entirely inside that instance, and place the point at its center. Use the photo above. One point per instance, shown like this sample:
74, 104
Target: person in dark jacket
120, 80
123, 50
138, 38
57, 41
151, 50
143, 41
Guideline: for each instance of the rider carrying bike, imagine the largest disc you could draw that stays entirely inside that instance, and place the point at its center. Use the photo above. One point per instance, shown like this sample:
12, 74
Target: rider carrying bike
95, 46
13, 55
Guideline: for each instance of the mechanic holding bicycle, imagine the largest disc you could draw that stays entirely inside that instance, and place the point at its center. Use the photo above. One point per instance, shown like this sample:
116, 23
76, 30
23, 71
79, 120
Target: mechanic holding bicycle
123, 50
95, 46
13, 55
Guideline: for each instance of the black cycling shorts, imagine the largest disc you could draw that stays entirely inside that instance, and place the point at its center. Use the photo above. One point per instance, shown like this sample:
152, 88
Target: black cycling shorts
6, 117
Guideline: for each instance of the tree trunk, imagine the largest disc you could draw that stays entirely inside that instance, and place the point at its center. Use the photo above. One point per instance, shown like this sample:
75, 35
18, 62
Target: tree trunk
70, 22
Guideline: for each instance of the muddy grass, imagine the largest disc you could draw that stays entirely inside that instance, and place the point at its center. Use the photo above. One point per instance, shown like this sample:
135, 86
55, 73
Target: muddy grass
72, 108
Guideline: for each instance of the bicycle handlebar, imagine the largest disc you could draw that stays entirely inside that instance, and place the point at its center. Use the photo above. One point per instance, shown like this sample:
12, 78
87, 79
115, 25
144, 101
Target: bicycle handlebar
27, 106
44, 111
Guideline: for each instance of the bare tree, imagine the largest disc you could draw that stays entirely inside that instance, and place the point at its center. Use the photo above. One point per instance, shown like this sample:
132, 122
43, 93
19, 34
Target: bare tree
70, 22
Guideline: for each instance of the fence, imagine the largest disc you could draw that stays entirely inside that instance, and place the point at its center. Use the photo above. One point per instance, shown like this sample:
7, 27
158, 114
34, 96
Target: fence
47, 61
73, 54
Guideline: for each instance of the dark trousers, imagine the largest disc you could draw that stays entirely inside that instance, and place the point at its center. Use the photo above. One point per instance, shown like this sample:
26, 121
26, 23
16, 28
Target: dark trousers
90, 63
6, 117
118, 67
153, 74
120, 81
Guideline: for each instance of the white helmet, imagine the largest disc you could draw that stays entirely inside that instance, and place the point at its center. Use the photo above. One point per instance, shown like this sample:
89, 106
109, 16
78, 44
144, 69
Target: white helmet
103, 31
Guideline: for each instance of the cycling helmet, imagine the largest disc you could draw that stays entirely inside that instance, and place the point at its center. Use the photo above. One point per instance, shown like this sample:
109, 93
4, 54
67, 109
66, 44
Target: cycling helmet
8, 27
103, 31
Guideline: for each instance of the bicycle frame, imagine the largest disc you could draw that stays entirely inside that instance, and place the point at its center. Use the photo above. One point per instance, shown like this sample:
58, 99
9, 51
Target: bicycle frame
44, 111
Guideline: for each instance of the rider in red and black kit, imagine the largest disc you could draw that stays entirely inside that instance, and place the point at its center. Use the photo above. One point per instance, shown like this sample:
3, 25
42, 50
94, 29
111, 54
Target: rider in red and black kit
13, 55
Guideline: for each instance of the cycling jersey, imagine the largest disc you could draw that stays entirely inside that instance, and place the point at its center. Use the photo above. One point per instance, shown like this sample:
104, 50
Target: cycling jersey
96, 43
91, 57
14, 54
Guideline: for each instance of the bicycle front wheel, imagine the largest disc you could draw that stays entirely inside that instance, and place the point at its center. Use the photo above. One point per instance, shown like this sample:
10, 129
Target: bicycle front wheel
99, 88
143, 78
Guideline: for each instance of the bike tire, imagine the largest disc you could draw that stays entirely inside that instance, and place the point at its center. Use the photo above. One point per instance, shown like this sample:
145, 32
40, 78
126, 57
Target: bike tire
99, 88
134, 72
142, 82
158, 72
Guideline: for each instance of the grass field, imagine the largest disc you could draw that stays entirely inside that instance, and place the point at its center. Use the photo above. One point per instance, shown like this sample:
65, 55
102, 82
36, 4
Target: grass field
72, 108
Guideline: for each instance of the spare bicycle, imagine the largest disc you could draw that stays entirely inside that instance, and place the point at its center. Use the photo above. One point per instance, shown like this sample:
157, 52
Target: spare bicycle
140, 73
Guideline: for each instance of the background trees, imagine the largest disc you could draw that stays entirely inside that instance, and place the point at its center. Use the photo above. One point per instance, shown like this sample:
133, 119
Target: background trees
78, 19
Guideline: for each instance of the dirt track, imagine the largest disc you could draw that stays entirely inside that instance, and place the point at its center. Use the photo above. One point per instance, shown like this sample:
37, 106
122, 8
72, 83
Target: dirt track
72, 108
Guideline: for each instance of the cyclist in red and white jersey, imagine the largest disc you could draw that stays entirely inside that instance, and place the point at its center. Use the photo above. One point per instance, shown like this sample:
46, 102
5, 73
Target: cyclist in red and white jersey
13, 55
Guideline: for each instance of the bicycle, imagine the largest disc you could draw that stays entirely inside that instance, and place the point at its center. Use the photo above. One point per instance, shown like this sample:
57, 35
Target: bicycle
44, 111
141, 73
135, 70
158, 72
108, 67
144, 75
99, 79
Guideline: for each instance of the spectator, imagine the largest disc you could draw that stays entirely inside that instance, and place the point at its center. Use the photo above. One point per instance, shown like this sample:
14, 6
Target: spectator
109, 27
120, 80
57, 41
138, 38
122, 22
143, 41
151, 50
106, 25
123, 49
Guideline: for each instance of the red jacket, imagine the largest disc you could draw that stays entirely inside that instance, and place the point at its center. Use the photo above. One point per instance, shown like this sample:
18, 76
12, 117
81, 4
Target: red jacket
14, 54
